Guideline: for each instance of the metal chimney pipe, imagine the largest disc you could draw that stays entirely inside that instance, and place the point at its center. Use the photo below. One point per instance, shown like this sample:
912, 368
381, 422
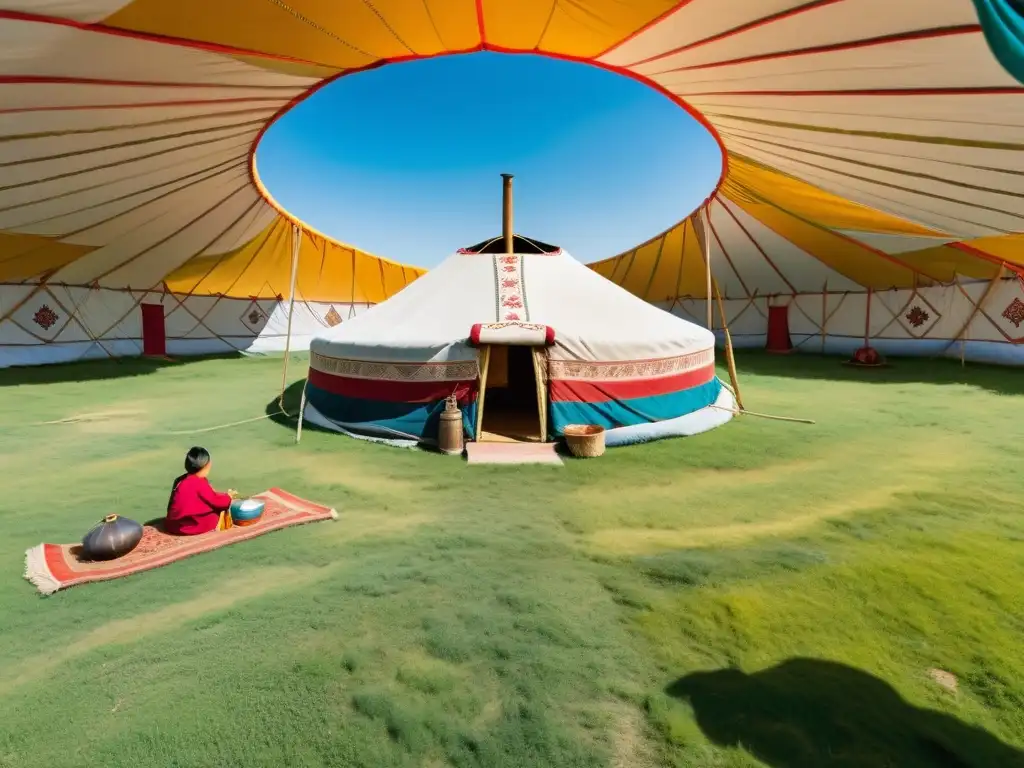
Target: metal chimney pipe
506, 214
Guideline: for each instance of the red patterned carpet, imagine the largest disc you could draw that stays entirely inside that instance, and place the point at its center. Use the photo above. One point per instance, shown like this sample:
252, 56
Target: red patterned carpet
51, 567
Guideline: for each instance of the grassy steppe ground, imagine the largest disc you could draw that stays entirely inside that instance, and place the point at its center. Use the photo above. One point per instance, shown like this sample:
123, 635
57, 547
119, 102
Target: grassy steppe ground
767, 594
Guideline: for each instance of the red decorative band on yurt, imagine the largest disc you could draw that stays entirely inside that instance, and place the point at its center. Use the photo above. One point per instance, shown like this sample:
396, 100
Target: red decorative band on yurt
512, 333
393, 399
631, 369
622, 389
630, 392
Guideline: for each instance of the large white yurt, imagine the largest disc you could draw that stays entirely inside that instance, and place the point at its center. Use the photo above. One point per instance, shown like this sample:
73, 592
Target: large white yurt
530, 341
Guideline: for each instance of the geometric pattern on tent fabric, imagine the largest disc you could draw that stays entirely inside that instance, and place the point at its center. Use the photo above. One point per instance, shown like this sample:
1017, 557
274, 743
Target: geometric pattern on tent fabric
742, 315
810, 315
326, 314
740, 308
254, 317
332, 317
455, 370
128, 130
1003, 309
186, 318
44, 317
914, 314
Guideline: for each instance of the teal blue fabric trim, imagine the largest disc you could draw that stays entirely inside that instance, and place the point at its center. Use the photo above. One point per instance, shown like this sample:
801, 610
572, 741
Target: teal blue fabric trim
1003, 23
642, 410
413, 420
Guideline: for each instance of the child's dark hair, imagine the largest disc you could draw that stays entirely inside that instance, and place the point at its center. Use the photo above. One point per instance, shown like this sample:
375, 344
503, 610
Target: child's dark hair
196, 459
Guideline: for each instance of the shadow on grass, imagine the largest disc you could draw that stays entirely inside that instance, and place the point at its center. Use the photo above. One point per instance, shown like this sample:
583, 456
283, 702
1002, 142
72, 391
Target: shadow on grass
292, 400
98, 370
996, 378
809, 712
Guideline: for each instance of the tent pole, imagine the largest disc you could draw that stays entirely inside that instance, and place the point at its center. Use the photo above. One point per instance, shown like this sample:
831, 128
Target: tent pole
707, 266
729, 356
302, 409
506, 211
962, 336
296, 241
485, 358
539, 355
824, 315
867, 321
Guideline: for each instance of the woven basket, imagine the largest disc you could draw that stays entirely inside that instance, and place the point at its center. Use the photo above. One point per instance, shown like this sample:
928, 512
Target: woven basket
585, 440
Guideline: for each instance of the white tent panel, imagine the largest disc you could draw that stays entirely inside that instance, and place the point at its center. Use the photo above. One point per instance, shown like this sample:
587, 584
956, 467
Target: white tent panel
32, 148
802, 270
244, 230
694, 22
160, 168
750, 263
979, 117
79, 213
73, 52
833, 23
143, 229
125, 157
12, 334
79, 10
173, 116
917, 64
149, 266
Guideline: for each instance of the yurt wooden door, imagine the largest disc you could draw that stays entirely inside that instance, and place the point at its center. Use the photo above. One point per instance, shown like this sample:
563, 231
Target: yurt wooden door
512, 405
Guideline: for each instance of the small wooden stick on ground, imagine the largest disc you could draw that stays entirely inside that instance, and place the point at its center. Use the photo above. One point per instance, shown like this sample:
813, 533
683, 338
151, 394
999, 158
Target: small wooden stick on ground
769, 416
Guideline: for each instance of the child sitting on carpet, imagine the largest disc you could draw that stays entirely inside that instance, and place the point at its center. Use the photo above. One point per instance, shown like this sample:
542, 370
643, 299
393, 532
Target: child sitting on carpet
194, 507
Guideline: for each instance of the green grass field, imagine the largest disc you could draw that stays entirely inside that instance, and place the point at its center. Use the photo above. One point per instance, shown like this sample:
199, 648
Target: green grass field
768, 594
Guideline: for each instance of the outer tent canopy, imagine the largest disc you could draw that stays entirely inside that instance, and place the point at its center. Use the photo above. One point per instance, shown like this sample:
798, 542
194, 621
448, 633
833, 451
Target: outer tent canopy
873, 179
600, 355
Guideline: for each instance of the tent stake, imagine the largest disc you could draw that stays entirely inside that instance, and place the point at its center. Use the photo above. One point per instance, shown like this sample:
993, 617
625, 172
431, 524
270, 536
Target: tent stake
767, 416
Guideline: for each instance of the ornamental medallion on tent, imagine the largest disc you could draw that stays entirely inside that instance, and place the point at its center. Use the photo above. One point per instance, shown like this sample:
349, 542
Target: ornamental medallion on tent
45, 317
1015, 312
254, 318
333, 317
917, 316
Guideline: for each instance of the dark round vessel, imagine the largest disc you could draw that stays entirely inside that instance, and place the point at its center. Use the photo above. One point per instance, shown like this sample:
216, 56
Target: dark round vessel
112, 537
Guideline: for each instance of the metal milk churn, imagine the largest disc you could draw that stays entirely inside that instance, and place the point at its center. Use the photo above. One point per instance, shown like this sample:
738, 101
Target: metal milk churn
450, 436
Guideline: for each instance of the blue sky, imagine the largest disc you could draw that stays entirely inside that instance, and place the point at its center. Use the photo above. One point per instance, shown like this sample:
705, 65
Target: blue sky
404, 161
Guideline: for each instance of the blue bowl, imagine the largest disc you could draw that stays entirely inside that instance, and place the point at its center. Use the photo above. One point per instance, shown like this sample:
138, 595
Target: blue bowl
246, 511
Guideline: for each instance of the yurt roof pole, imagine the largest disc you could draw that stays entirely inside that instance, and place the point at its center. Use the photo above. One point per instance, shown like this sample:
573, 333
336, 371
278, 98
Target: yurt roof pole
296, 242
506, 212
